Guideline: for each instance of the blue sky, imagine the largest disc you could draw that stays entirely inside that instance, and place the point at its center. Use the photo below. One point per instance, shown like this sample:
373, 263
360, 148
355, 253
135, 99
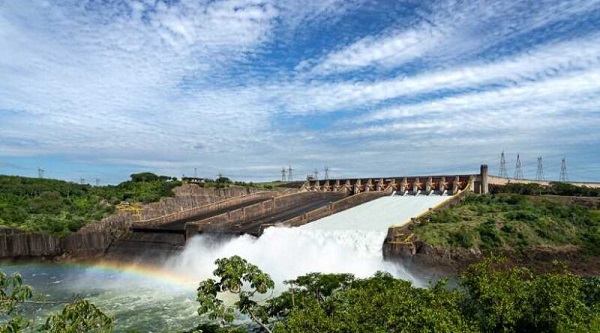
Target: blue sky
101, 89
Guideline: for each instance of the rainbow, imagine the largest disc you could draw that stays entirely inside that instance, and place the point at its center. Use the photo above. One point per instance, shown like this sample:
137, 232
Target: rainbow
146, 271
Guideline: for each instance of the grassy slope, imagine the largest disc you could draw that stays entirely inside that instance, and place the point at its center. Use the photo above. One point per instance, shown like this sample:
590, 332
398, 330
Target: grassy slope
514, 220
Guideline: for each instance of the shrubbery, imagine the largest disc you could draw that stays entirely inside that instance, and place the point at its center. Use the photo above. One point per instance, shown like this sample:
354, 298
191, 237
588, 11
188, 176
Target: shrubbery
555, 188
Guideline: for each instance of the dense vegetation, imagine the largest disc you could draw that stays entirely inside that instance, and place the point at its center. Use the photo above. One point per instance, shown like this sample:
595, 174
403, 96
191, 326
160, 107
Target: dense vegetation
515, 220
489, 297
60, 207
555, 188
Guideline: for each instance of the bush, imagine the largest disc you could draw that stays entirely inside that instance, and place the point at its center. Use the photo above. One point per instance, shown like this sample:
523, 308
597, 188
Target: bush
521, 215
462, 238
489, 235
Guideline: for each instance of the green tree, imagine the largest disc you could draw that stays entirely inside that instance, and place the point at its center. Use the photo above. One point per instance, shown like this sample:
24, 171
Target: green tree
78, 316
12, 293
233, 273
504, 299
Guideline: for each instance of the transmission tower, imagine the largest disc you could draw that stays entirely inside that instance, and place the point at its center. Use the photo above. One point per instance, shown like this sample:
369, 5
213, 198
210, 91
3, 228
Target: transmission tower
97, 182
503, 172
539, 175
518, 169
81, 181
41, 173
563, 171
283, 178
290, 177
327, 173
316, 174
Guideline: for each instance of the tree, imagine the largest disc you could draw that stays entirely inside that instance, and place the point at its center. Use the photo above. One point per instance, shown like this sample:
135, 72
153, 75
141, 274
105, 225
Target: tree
78, 316
504, 299
12, 293
233, 273
144, 177
382, 303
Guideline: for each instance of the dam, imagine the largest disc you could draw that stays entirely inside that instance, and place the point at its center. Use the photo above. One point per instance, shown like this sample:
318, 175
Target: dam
350, 204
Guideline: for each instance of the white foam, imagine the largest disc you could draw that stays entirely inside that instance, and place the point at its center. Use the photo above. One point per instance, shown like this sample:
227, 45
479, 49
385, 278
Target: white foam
379, 214
347, 242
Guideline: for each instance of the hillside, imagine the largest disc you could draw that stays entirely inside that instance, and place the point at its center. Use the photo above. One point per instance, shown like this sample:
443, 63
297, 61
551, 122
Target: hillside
59, 207
509, 220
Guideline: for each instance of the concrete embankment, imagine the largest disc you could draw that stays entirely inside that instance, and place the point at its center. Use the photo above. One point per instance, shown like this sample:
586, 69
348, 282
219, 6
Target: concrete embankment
249, 218
163, 236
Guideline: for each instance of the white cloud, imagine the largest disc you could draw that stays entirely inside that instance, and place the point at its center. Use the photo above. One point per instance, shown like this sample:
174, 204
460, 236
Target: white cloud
452, 30
536, 64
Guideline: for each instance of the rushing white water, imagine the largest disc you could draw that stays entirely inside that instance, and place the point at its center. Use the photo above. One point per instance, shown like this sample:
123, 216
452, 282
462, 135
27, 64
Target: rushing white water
347, 242
378, 215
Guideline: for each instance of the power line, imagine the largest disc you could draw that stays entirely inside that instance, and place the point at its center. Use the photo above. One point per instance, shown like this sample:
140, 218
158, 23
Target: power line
503, 173
518, 169
563, 171
539, 174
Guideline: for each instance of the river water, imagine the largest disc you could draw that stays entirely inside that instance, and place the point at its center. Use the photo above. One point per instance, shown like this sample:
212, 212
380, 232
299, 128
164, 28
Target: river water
161, 298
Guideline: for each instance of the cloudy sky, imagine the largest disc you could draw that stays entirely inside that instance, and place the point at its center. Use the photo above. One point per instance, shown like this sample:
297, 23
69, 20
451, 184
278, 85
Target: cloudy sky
101, 89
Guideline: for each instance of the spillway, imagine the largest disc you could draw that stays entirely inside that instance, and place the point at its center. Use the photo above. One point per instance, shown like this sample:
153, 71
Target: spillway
347, 242
378, 215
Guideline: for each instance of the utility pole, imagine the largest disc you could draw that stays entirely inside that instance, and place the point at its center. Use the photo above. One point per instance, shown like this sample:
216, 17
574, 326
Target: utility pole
195, 172
290, 177
518, 169
503, 173
563, 171
539, 175
326, 173
41, 173
283, 174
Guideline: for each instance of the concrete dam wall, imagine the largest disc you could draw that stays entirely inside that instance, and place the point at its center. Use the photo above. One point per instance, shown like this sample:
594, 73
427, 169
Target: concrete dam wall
250, 218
